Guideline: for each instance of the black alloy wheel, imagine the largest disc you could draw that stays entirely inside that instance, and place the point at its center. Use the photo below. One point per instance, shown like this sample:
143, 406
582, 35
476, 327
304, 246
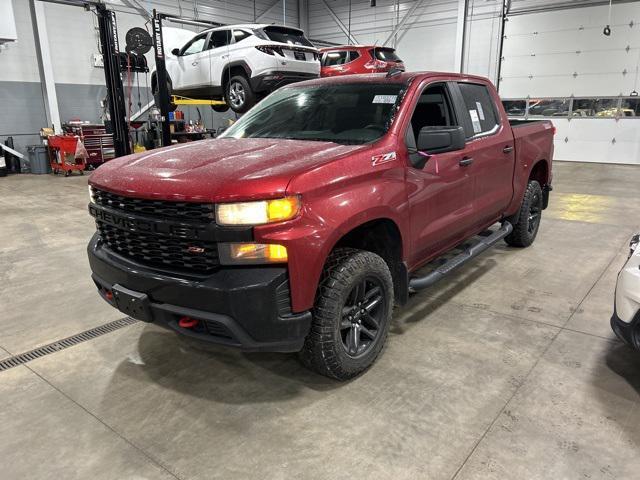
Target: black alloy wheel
362, 316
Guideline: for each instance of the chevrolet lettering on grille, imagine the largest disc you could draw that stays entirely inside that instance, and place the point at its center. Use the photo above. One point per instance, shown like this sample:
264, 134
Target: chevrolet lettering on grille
146, 226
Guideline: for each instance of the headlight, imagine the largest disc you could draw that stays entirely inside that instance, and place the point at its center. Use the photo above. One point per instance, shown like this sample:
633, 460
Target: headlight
251, 253
91, 199
257, 213
633, 244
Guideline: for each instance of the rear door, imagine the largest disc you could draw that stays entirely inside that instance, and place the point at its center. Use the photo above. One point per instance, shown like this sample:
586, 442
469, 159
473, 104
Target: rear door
440, 191
333, 62
490, 147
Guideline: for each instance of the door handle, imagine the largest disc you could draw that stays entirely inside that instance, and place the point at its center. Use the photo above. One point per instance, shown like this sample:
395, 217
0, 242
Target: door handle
465, 162
507, 149
194, 63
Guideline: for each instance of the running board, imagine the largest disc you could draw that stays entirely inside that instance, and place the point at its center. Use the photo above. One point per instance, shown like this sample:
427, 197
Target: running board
420, 283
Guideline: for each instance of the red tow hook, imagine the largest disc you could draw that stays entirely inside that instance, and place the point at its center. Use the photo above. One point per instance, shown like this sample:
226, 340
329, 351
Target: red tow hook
187, 322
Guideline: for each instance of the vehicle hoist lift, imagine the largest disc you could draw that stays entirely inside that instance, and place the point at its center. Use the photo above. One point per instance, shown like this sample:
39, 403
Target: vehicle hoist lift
161, 70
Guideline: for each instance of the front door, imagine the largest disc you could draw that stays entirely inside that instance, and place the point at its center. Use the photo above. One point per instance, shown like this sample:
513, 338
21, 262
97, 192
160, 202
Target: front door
440, 191
189, 64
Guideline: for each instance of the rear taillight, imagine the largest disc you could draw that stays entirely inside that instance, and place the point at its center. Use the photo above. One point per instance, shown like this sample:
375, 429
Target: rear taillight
270, 49
553, 130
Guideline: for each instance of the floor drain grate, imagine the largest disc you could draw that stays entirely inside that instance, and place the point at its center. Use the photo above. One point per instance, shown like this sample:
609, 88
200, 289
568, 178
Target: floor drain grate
54, 347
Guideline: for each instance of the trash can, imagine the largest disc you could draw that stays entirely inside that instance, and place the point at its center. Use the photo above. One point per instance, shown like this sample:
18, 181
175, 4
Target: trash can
38, 161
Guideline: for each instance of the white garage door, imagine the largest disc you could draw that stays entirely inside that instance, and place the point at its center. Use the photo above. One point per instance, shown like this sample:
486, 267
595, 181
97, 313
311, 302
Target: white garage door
559, 65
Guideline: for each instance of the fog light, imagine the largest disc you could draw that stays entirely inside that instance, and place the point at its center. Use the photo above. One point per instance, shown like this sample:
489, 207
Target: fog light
252, 253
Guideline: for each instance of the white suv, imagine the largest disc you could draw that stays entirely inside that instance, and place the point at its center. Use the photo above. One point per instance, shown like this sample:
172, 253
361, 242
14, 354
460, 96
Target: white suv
625, 320
239, 63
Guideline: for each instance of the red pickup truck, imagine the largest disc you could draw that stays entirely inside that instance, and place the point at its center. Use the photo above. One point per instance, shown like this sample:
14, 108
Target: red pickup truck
300, 227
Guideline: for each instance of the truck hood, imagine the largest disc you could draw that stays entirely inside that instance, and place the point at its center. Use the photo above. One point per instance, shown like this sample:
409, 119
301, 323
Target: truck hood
217, 170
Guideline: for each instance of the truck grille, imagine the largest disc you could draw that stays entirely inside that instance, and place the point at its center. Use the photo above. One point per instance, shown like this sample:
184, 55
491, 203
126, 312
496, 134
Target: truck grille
155, 249
160, 251
156, 208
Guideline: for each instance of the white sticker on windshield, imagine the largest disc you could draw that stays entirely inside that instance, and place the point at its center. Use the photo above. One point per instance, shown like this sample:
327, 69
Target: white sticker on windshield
475, 120
385, 99
480, 111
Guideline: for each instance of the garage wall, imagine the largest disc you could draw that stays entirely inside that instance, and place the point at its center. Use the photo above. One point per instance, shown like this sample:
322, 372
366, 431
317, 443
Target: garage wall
427, 41
73, 39
21, 97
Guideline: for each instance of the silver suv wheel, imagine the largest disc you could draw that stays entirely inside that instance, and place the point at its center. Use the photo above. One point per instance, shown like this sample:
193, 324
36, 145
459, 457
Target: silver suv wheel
237, 95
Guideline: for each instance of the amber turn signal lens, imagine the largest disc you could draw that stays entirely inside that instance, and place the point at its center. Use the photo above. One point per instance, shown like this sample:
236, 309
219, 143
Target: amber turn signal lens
253, 253
283, 208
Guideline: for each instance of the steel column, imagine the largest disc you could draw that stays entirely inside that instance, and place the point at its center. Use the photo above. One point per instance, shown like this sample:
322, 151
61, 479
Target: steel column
110, 53
461, 35
161, 78
45, 66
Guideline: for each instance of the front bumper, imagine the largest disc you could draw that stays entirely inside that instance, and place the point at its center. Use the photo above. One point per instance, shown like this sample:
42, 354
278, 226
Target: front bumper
625, 321
269, 81
244, 307
628, 332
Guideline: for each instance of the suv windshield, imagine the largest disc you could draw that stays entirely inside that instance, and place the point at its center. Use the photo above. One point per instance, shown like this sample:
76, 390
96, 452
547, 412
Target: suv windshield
348, 113
286, 35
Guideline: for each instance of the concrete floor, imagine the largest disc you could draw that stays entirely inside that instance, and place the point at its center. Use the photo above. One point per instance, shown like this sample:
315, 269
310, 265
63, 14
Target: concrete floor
507, 371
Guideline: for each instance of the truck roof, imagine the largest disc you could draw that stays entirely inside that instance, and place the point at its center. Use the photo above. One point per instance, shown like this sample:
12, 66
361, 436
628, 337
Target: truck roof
354, 47
383, 78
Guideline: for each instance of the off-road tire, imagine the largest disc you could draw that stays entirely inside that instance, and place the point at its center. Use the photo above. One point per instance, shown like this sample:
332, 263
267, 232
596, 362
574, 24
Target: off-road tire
324, 350
241, 82
524, 230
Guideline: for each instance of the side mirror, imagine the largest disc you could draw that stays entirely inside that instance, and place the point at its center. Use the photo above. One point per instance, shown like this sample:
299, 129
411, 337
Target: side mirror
440, 139
176, 52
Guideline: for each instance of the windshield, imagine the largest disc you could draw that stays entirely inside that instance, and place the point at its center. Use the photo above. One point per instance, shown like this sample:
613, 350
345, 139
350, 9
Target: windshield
348, 113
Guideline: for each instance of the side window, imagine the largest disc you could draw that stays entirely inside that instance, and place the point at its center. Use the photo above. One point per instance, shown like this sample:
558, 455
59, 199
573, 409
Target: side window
195, 45
335, 58
239, 35
353, 55
219, 38
479, 106
432, 110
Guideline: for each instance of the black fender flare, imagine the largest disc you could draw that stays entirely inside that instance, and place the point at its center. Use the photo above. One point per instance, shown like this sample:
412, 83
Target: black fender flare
230, 65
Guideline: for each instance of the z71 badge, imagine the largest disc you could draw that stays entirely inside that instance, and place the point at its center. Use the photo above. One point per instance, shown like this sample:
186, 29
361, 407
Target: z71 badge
384, 158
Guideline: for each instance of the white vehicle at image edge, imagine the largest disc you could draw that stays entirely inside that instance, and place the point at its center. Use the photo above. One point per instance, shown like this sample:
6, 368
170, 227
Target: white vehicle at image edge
239, 63
625, 321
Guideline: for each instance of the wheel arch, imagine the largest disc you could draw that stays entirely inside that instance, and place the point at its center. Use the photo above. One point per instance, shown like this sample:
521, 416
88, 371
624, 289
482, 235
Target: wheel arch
383, 237
233, 68
540, 172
